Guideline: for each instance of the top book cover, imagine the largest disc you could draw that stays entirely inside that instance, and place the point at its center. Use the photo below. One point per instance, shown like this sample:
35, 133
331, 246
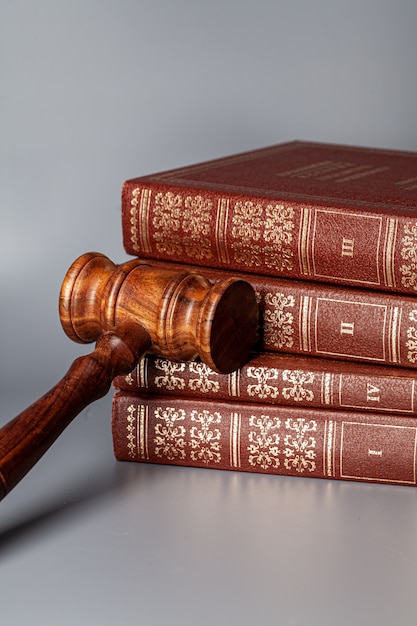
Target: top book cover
313, 211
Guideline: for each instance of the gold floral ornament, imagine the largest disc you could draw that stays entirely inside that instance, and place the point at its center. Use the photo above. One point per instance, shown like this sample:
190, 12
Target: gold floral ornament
170, 435
409, 253
204, 382
264, 441
278, 324
168, 379
246, 230
134, 203
298, 391
196, 226
205, 440
262, 389
131, 437
411, 342
247, 222
300, 445
167, 221
279, 225
263, 235
182, 226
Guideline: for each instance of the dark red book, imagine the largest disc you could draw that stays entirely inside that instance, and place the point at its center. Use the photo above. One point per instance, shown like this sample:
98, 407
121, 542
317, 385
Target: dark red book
317, 319
281, 379
320, 212
268, 439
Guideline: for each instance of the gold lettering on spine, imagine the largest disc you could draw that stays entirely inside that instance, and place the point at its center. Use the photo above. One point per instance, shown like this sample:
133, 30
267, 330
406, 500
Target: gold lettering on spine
305, 316
347, 247
374, 452
221, 230
347, 328
304, 241
390, 238
392, 431
235, 426
372, 393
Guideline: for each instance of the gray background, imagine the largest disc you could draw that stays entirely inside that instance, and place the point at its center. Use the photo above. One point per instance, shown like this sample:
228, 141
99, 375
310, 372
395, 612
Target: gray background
92, 93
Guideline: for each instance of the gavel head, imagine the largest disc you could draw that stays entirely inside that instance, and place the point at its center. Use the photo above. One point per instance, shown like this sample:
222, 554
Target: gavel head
185, 315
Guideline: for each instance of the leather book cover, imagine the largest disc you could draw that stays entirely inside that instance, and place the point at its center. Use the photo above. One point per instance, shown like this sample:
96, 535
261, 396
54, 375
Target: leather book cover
281, 379
329, 321
322, 212
266, 439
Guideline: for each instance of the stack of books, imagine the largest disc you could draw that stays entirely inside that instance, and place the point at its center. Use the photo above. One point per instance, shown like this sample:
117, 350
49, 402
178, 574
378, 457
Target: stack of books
327, 236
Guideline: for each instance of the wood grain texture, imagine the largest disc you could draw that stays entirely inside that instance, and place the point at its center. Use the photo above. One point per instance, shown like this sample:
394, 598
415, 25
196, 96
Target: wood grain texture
185, 315
26, 438
129, 309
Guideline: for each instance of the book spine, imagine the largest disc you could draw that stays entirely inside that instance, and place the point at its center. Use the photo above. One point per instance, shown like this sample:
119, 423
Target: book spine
320, 320
281, 380
265, 439
350, 247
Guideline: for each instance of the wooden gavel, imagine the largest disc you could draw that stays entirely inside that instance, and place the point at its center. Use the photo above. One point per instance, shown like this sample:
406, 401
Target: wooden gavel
129, 309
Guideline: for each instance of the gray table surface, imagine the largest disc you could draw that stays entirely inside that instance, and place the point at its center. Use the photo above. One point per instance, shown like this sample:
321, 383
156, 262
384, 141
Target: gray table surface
87, 540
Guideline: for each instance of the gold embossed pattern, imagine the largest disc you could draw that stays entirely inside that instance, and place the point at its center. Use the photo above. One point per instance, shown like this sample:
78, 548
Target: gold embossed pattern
409, 254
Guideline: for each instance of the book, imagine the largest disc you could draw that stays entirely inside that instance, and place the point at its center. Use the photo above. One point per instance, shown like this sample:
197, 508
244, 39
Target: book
268, 439
329, 321
281, 379
304, 210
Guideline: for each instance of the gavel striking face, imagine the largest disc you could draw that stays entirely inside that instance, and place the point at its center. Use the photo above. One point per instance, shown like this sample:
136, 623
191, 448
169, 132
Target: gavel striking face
129, 309
183, 313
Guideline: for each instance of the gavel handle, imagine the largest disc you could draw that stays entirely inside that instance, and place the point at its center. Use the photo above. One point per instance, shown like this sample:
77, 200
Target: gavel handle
28, 436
